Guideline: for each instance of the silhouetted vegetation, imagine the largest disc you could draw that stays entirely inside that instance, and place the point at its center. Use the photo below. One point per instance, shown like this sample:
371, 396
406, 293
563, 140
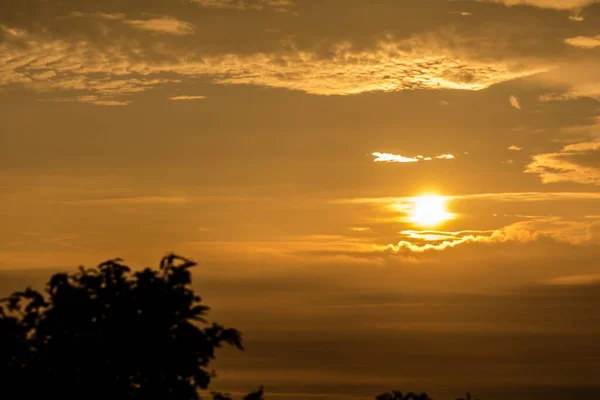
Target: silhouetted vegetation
467, 397
396, 395
107, 333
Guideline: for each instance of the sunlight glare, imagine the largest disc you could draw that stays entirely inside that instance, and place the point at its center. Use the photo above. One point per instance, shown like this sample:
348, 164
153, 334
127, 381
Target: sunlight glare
429, 210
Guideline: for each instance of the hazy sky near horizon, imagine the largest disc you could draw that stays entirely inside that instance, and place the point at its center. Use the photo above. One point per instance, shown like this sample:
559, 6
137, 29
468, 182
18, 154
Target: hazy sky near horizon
281, 144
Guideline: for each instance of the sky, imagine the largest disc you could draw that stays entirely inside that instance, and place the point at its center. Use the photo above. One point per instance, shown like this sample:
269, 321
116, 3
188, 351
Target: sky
286, 145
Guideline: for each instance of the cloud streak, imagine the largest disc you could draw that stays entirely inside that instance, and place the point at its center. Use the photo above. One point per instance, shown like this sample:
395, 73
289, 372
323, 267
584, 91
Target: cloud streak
585, 42
552, 4
514, 102
575, 280
186, 97
573, 163
277, 5
535, 229
395, 158
167, 25
116, 70
590, 90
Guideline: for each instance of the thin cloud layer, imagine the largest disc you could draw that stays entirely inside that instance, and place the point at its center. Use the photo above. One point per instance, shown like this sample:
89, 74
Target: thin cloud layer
586, 42
520, 197
187, 97
573, 163
589, 90
555, 228
101, 15
395, 158
555, 4
575, 280
168, 25
44, 64
278, 5
514, 102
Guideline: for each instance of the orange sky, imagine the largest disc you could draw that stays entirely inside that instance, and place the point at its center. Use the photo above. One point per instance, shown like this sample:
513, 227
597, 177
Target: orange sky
281, 144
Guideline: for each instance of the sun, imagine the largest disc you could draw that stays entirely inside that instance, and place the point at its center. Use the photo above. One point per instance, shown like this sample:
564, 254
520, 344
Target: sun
429, 210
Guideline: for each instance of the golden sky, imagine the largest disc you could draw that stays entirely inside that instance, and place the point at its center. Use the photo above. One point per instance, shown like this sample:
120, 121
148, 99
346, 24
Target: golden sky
386, 193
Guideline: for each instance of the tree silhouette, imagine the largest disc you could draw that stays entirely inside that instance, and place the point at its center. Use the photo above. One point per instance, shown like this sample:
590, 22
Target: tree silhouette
107, 333
396, 395
258, 395
467, 397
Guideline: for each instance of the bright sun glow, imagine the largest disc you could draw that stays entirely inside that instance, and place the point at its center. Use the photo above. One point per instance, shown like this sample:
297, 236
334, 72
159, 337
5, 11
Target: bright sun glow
429, 210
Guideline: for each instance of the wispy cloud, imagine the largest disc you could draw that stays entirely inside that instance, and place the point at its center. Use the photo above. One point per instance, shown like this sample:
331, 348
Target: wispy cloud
515, 148
514, 102
186, 97
553, 228
89, 100
395, 158
277, 5
167, 25
102, 15
555, 4
575, 280
573, 163
587, 42
585, 90
131, 200
416, 63
359, 229
502, 197
576, 17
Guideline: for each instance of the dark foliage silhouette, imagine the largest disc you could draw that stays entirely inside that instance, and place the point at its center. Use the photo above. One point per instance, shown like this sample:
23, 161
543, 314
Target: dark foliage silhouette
396, 395
258, 395
467, 397
107, 333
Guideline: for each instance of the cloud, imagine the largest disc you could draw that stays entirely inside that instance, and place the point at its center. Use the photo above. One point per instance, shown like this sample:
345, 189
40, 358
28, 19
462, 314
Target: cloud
165, 24
109, 103
102, 15
586, 42
277, 5
531, 196
186, 97
514, 102
88, 100
584, 90
394, 158
573, 163
116, 69
536, 229
575, 280
397, 203
359, 229
515, 148
554, 4
168, 25
131, 200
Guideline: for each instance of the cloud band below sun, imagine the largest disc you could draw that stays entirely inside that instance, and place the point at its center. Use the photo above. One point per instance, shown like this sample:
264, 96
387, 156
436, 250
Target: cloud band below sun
396, 158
